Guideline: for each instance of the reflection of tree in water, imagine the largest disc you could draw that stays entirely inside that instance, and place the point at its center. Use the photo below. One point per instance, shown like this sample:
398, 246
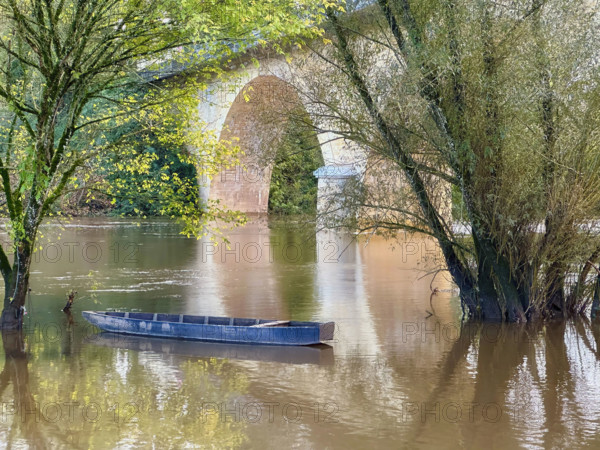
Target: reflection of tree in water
294, 256
532, 374
22, 411
543, 377
107, 398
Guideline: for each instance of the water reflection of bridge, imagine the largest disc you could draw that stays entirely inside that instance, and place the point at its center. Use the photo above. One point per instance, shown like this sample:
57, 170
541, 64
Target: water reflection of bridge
396, 371
372, 290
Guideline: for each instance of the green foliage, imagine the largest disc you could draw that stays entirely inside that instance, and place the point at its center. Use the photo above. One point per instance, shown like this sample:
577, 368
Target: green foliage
293, 187
458, 205
72, 72
492, 104
165, 165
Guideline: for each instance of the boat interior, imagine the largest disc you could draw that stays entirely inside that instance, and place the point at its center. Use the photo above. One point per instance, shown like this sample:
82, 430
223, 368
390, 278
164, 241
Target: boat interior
208, 320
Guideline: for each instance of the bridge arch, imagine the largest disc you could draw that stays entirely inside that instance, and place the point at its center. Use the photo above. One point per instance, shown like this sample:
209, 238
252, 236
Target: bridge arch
256, 122
230, 107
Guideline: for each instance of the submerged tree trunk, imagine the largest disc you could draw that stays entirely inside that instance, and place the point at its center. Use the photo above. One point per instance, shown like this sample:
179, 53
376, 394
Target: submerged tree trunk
15, 297
16, 278
16, 287
596, 299
456, 117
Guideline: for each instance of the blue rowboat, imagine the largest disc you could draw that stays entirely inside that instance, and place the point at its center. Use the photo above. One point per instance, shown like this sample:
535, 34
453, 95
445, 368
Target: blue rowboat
212, 329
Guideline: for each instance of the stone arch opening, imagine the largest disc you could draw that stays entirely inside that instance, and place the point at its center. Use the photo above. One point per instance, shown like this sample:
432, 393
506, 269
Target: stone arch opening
265, 119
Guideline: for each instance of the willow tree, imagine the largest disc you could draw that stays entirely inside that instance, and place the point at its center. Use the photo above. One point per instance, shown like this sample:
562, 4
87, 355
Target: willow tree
72, 70
498, 99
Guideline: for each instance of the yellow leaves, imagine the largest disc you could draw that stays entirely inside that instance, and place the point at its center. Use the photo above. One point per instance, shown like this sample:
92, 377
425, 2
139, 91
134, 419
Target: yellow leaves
335, 5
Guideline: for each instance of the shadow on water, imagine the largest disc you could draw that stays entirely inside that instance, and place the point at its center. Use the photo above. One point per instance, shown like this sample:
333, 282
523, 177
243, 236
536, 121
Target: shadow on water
316, 354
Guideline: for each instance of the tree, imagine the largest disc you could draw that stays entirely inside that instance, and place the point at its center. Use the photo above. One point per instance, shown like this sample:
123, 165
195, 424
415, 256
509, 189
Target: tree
293, 188
498, 101
71, 71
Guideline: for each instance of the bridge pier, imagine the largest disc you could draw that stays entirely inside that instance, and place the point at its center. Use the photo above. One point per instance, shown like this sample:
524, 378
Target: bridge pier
332, 192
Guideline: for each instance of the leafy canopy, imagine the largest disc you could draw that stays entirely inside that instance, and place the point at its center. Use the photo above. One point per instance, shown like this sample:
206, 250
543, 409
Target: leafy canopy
72, 73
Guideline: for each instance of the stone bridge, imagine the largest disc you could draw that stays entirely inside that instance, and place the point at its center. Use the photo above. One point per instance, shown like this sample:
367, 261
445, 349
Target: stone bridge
251, 108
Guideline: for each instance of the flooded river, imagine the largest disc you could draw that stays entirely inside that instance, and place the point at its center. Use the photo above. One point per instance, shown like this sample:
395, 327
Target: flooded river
394, 377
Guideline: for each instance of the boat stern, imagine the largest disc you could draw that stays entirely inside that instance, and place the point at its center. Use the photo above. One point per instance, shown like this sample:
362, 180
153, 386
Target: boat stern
326, 331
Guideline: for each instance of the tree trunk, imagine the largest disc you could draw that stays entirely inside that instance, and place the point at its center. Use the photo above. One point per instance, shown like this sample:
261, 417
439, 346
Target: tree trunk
16, 288
596, 300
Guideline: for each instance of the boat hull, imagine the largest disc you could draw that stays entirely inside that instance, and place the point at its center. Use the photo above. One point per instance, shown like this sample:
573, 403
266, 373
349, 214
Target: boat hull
211, 329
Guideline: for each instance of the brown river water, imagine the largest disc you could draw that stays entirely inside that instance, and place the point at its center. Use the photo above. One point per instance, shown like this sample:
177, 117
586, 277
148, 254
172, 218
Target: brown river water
394, 376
